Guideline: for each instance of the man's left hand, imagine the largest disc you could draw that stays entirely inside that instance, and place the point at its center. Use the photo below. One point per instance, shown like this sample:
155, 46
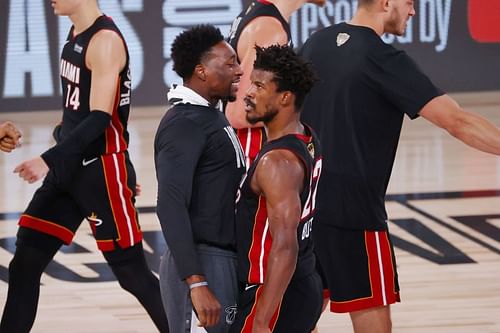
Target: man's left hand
32, 170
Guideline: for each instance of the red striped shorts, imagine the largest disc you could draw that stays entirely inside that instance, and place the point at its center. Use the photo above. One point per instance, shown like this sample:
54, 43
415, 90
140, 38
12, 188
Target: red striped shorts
359, 265
102, 191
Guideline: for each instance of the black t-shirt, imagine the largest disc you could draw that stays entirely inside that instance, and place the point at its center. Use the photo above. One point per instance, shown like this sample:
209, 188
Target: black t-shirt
357, 108
199, 164
252, 226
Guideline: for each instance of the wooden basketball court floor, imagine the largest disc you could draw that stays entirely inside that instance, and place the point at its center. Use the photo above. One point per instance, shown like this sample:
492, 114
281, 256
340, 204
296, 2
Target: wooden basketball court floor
443, 203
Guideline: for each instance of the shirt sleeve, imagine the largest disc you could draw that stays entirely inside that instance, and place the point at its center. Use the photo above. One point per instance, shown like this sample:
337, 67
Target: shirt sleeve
401, 81
178, 148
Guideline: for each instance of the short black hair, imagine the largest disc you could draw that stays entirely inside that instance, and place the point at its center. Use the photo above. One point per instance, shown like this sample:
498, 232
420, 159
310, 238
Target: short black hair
291, 72
190, 46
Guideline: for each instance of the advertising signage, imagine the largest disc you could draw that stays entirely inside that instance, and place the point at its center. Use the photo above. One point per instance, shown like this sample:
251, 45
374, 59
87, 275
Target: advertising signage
456, 42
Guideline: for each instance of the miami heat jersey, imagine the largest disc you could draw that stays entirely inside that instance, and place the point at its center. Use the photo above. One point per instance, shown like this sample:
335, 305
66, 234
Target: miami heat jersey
251, 139
254, 240
256, 9
76, 80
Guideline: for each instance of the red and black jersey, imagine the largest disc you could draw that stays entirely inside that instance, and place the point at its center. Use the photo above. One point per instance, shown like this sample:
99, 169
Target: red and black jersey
256, 9
251, 139
254, 240
76, 81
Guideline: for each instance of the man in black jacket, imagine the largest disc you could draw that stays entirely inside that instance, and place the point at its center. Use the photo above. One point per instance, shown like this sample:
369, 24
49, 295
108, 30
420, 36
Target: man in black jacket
199, 164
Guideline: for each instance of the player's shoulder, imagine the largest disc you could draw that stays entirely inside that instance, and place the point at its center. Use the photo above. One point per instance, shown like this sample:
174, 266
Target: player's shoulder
264, 25
181, 120
262, 31
106, 47
325, 33
105, 37
198, 116
280, 156
280, 165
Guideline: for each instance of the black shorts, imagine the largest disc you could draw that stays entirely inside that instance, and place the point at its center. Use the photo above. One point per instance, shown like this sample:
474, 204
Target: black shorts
324, 280
102, 191
359, 265
298, 311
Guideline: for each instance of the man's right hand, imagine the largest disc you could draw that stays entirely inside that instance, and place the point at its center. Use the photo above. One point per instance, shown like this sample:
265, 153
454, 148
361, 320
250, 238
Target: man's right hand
206, 305
9, 137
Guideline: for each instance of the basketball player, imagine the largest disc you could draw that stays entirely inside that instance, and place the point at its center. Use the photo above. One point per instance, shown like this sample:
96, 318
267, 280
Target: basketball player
275, 211
9, 137
365, 89
199, 164
89, 174
263, 23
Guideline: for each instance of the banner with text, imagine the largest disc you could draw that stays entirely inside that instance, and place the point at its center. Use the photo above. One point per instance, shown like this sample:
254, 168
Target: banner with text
457, 43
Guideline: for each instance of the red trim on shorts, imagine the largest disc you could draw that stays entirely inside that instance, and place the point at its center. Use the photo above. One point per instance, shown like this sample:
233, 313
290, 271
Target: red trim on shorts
248, 325
105, 245
326, 293
47, 227
378, 289
121, 203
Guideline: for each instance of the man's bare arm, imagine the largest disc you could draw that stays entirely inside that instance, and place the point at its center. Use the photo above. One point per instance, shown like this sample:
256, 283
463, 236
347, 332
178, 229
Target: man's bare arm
468, 127
280, 178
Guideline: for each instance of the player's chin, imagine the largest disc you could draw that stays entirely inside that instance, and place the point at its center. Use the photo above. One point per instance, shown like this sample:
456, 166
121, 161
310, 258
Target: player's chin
402, 30
251, 120
230, 98
231, 95
59, 12
234, 89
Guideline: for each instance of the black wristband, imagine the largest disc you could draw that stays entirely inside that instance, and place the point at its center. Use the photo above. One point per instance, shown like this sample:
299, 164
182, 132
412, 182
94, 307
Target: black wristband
56, 133
76, 142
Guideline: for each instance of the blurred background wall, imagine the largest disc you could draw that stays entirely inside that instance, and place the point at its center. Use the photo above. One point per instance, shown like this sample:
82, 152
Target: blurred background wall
457, 42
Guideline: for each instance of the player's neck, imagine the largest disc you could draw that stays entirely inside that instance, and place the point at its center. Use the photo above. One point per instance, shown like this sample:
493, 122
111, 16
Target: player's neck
84, 18
201, 89
279, 127
367, 18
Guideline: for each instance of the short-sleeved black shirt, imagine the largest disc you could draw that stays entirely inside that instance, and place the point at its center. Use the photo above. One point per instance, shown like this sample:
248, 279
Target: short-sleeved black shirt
357, 108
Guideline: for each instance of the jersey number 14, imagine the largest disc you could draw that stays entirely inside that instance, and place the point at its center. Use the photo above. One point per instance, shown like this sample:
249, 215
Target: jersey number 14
72, 98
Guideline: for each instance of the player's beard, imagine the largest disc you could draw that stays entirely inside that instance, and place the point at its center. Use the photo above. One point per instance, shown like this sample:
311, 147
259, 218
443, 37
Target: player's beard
229, 97
265, 118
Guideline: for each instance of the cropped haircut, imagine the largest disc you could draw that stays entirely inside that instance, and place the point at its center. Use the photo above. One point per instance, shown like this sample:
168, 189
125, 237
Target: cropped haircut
190, 46
291, 72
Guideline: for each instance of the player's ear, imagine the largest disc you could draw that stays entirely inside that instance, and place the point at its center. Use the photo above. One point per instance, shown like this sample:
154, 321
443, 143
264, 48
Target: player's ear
199, 71
286, 98
386, 4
